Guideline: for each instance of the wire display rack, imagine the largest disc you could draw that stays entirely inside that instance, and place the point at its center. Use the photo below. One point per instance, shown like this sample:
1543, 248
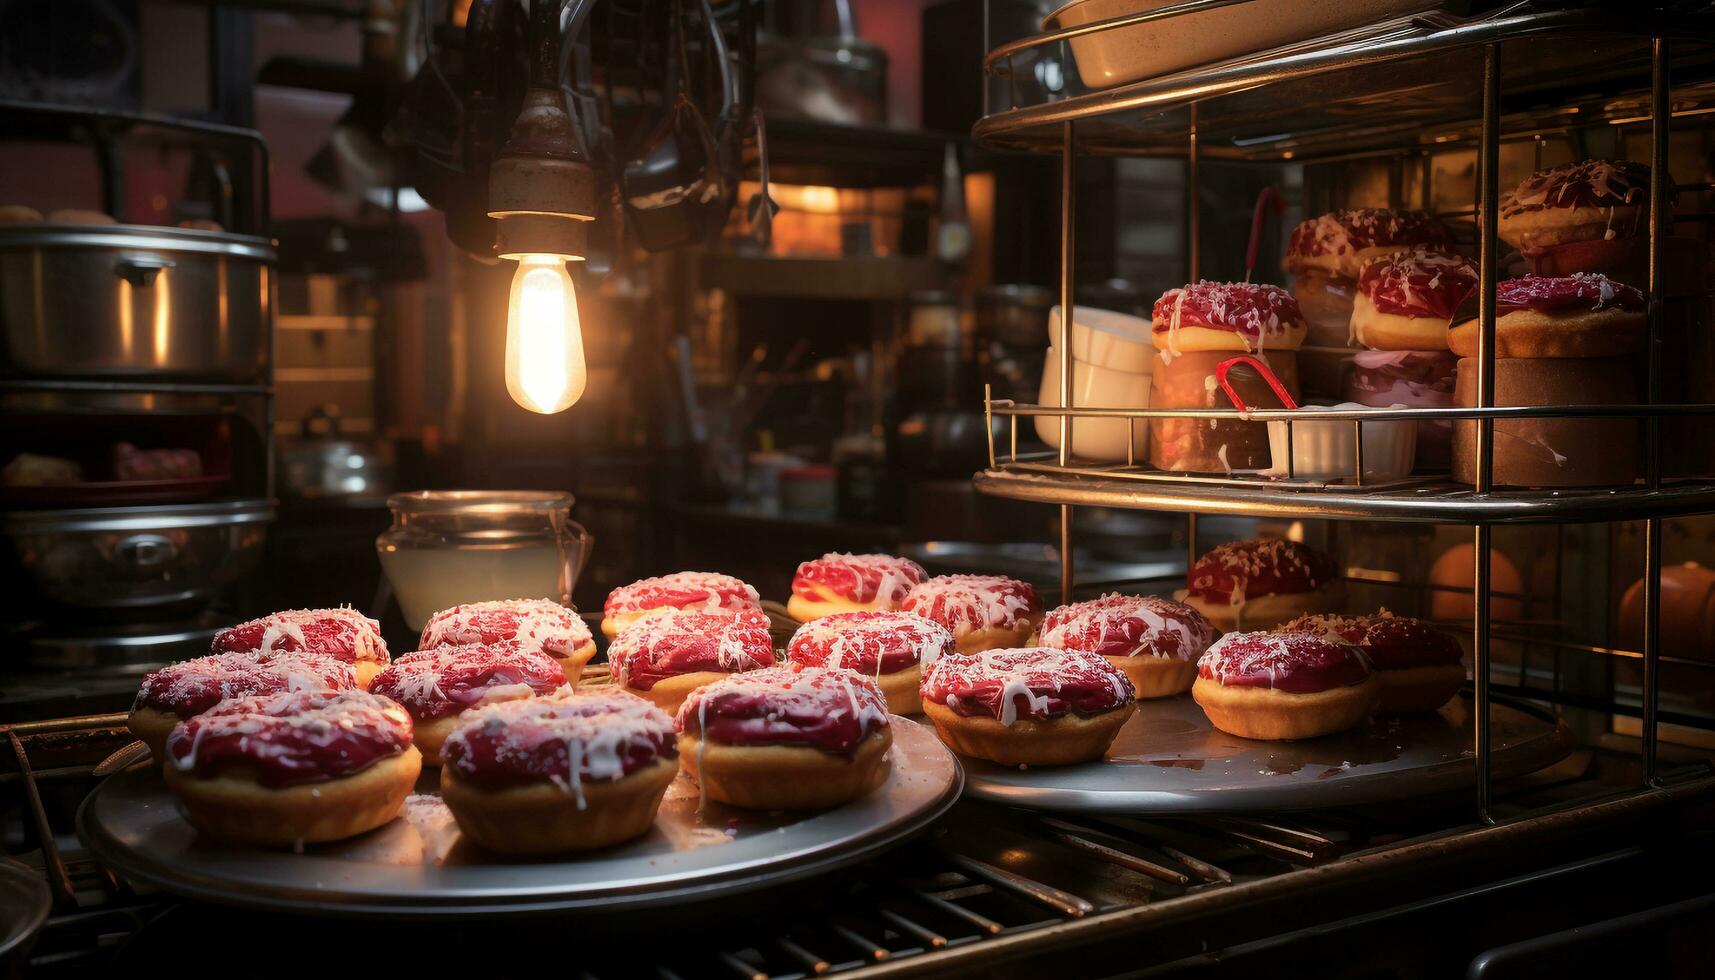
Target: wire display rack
1393, 88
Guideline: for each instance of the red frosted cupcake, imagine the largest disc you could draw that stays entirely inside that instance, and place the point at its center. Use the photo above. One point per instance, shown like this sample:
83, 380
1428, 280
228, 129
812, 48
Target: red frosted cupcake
1034, 706
1407, 301
1590, 216
1582, 315
894, 648
678, 592
344, 634
839, 583
437, 686
664, 658
293, 768
539, 625
1155, 641
983, 612
183, 690
1226, 316
1261, 583
1420, 667
786, 738
567, 772
1284, 685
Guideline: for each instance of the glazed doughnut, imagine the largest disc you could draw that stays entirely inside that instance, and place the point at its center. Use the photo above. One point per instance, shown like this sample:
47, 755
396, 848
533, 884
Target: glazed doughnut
983, 612
344, 634
1235, 316
293, 768
1155, 641
1591, 201
1340, 242
894, 648
188, 688
664, 658
437, 686
1581, 315
1419, 666
840, 583
786, 738
570, 771
1407, 300
1035, 706
1284, 685
1261, 583
680, 591
535, 624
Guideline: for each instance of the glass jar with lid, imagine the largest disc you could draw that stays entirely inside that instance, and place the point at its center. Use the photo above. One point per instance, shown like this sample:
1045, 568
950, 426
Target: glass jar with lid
448, 547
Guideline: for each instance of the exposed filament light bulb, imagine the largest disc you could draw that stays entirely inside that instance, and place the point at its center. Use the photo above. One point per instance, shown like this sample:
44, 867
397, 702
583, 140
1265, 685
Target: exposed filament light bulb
544, 341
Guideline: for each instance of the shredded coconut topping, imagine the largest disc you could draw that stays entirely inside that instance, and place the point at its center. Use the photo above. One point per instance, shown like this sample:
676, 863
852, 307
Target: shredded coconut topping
1256, 312
1350, 231
872, 643
293, 737
683, 590
1391, 642
1238, 571
194, 686
534, 624
1129, 626
1591, 183
791, 704
1298, 663
447, 680
859, 578
1420, 283
343, 633
657, 647
965, 604
567, 739
1036, 683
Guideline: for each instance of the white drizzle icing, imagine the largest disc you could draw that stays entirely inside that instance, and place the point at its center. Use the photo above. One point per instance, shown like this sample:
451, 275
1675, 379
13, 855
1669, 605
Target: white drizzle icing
598, 730
1030, 673
1137, 625
535, 624
849, 639
893, 576
965, 604
712, 591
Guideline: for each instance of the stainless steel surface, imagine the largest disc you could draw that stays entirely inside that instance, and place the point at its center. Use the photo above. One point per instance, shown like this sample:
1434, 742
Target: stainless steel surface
124, 649
1169, 760
138, 557
1069, 310
418, 865
126, 300
1660, 125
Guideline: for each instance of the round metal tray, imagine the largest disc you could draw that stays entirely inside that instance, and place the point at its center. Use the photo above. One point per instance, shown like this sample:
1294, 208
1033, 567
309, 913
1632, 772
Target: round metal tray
420, 866
1168, 759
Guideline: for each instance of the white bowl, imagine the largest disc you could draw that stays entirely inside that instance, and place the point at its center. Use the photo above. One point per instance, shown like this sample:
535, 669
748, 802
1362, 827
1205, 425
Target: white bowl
1100, 440
1104, 338
1327, 450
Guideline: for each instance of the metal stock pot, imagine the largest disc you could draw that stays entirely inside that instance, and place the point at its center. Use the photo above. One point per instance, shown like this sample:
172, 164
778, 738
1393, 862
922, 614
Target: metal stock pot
128, 300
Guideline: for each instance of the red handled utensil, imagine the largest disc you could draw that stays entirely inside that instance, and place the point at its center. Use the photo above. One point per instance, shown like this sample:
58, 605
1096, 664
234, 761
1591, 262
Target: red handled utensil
1263, 369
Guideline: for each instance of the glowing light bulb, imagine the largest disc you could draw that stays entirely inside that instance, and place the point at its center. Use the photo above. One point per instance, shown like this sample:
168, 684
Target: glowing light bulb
544, 342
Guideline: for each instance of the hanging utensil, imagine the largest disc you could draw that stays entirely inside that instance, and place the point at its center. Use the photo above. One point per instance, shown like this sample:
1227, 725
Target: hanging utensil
761, 208
672, 182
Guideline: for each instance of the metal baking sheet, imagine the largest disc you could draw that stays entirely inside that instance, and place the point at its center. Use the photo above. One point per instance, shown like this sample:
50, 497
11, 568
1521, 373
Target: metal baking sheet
1169, 759
419, 865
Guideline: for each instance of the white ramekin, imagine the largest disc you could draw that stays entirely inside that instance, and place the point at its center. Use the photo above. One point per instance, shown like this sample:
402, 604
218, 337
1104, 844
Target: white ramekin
1098, 440
1326, 450
1116, 341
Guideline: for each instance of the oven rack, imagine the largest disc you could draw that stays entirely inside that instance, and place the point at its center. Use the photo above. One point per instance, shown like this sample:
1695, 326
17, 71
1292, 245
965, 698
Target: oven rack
989, 885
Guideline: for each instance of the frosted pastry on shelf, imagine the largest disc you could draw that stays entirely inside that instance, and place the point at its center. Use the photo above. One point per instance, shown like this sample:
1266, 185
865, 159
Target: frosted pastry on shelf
1035, 706
191, 687
678, 592
293, 768
1261, 583
568, 772
1590, 216
1284, 685
537, 625
892, 648
790, 737
1406, 301
1420, 666
344, 634
983, 612
438, 685
665, 658
1155, 641
843, 583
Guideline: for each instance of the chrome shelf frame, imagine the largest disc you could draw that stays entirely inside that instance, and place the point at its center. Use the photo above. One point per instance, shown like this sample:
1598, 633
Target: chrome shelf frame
1055, 127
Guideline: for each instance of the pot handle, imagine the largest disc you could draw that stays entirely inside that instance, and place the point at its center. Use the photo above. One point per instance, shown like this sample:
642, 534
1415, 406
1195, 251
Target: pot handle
141, 270
586, 544
145, 551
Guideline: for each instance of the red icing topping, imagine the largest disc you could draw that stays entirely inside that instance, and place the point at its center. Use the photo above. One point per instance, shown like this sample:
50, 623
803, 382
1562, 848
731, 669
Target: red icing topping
1345, 232
1242, 570
1420, 283
860, 578
1579, 291
345, 634
1129, 626
1034, 682
813, 707
535, 624
870, 642
683, 590
292, 738
659, 647
447, 680
1391, 642
1251, 310
1298, 663
967, 603
194, 686
1590, 184
565, 738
